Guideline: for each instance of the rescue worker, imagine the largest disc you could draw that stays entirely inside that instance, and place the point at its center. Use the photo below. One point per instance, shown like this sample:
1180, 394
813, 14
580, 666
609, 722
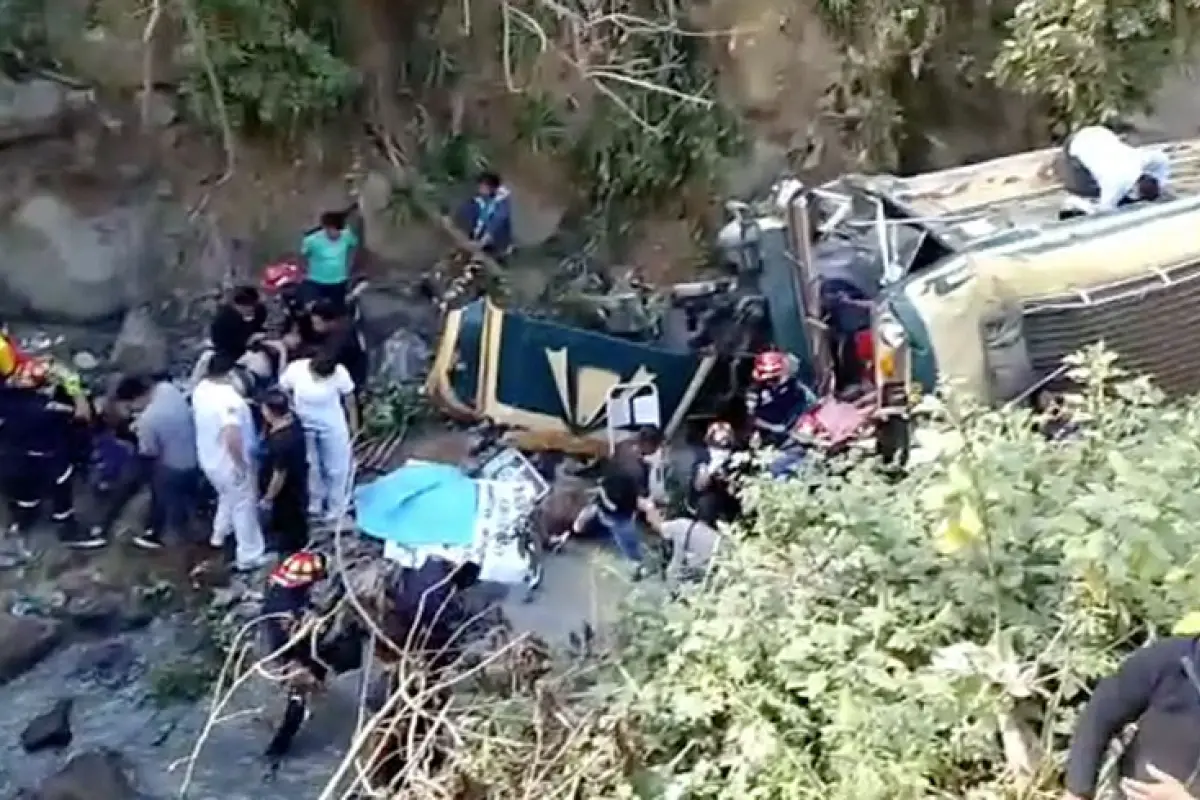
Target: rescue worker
329, 254
712, 497
322, 393
776, 398
1101, 172
289, 633
283, 476
1157, 687
11, 355
41, 440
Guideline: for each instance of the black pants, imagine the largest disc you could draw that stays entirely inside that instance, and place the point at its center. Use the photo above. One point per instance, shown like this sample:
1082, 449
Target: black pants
1076, 178
34, 477
288, 525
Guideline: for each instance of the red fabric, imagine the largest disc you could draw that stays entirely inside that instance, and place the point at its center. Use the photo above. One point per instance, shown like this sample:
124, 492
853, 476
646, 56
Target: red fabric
284, 273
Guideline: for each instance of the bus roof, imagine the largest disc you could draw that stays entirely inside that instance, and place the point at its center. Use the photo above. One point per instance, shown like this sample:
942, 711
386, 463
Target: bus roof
1086, 256
1020, 192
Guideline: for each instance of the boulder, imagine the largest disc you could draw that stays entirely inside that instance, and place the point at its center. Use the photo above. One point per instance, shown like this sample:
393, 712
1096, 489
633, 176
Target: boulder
141, 347
49, 730
34, 109
60, 263
24, 642
93, 775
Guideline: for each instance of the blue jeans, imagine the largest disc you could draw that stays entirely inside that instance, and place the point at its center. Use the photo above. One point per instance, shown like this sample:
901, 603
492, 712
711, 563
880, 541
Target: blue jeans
174, 495
625, 535
786, 463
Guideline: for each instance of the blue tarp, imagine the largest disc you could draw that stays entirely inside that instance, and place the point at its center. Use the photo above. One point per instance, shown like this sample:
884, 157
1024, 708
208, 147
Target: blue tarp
419, 505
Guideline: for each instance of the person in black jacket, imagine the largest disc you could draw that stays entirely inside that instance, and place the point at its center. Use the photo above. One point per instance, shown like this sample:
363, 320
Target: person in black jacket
331, 330
239, 323
1158, 687
39, 438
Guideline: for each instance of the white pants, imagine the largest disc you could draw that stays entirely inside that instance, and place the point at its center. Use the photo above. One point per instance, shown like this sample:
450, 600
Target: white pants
237, 512
329, 460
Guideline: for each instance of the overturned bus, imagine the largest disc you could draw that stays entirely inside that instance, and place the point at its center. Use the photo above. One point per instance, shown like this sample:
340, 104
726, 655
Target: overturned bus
964, 275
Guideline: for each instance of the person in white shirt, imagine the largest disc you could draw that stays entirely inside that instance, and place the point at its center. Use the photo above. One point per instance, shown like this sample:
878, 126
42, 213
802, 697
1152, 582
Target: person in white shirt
322, 393
1103, 172
224, 446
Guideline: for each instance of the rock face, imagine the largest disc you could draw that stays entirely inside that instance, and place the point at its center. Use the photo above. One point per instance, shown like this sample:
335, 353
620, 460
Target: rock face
59, 263
94, 775
35, 109
24, 642
140, 348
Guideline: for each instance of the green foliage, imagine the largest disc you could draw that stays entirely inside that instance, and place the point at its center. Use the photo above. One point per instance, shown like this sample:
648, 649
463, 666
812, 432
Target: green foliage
646, 123
1093, 60
1079, 62
396, 408
883, 639
280, 65
870, 638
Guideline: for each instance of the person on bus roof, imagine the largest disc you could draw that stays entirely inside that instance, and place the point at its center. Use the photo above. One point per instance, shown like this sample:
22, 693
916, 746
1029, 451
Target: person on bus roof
1103, 172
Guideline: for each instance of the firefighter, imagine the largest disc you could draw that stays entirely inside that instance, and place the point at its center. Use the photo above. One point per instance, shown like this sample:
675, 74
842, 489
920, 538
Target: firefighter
776, 399
41, 443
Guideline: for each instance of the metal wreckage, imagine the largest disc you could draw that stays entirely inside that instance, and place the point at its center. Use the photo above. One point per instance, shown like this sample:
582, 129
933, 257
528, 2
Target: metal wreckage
968, 275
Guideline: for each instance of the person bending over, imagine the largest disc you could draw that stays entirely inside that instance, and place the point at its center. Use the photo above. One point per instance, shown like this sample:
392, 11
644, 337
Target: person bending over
239, 323
1101, 172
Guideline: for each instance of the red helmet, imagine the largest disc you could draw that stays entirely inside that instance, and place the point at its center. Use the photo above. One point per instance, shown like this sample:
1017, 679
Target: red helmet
32, 372
281, 275
770, 365
719, 434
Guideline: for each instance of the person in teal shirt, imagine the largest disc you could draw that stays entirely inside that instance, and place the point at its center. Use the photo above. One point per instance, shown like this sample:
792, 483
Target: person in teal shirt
328, 254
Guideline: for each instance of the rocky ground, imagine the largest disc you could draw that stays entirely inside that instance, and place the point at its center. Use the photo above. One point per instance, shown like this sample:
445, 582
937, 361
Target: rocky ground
87, 675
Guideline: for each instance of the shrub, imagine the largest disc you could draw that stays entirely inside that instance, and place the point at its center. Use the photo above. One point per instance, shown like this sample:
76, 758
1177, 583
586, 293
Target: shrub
932, 636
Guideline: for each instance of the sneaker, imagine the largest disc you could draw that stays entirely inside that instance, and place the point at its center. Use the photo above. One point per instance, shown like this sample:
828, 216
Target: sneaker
78, 539
148, 540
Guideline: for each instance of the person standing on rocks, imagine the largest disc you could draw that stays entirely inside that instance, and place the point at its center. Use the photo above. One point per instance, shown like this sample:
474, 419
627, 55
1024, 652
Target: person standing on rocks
329, 254
487, 217
322, 393
224, 446
284, 476
39, 440
166, 435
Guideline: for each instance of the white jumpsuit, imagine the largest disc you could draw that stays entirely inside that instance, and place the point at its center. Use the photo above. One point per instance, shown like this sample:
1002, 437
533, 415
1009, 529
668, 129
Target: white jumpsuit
217, 406
318, 403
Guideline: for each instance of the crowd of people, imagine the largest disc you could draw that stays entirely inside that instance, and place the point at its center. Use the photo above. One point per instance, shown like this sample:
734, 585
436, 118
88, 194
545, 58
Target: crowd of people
264, 429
